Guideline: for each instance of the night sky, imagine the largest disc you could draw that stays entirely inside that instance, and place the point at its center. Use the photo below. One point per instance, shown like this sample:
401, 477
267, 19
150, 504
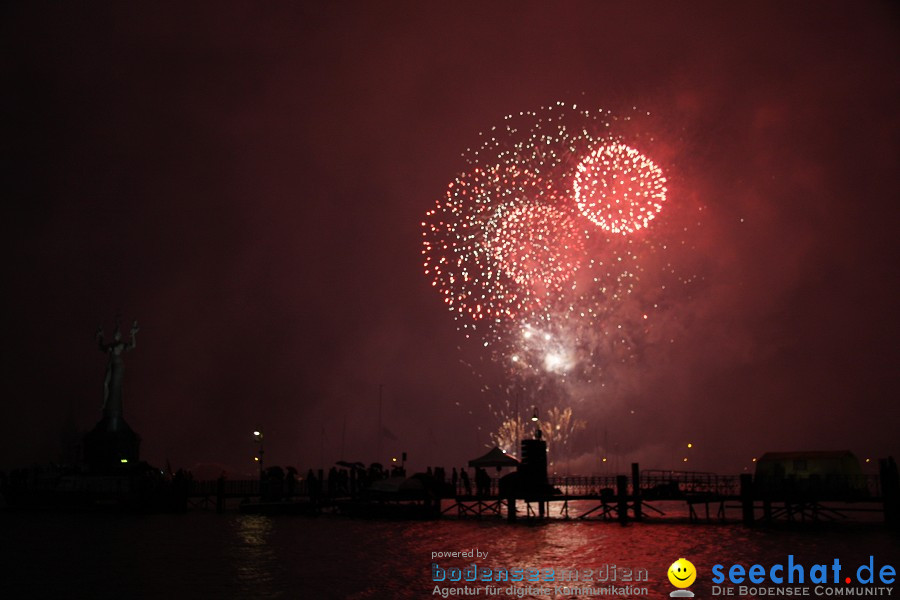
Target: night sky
249, 181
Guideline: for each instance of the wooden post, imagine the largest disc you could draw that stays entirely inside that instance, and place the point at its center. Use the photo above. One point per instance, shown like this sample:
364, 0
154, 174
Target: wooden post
511, 509
636, 490
890, 490
747, 498
220, 495
622, 493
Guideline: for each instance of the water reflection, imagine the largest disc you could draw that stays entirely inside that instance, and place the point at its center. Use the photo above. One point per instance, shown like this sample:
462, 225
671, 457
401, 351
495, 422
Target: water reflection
202, 555
256, 565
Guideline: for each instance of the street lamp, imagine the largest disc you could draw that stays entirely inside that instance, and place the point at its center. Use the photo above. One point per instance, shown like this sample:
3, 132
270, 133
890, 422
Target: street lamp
258, 438
690, 446
537, 427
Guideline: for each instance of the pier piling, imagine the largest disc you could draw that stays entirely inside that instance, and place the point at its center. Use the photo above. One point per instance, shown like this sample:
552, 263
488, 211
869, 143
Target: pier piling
636, 490
747, 498
622, 498
220, 495
890, 490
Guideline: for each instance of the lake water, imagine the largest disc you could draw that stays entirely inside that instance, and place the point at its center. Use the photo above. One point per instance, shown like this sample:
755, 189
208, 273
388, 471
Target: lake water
205, 555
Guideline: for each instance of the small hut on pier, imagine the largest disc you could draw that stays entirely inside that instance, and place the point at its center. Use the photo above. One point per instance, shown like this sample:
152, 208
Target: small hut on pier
818, 474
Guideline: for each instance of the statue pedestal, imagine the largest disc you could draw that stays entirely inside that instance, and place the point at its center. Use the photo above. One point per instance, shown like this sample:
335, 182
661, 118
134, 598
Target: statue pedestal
111, 445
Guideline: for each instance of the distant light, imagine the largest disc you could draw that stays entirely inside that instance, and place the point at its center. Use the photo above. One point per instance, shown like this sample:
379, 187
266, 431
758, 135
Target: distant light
123, 461
690, 445
868, 459
255, 459
604, 459
684, 459
504, 452
394, 459
754, 459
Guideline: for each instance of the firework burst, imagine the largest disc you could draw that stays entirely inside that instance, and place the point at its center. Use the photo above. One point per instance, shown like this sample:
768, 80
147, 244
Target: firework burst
557, 428
539, 247
618, 188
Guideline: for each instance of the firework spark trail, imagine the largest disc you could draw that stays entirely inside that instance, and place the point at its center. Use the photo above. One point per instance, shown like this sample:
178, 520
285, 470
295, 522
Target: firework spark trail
538, 248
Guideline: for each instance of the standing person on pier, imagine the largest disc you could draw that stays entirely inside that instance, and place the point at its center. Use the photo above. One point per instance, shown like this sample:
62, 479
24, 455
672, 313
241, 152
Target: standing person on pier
464, 475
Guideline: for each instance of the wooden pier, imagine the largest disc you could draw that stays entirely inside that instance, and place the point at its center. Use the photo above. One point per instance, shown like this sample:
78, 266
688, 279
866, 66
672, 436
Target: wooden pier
708, 497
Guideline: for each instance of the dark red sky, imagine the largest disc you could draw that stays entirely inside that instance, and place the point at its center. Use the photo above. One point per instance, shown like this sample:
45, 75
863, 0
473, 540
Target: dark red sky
248, 181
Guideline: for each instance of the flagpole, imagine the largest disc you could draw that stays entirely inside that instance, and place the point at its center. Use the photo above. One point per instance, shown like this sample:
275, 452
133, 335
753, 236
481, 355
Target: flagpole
343, 436
516, 452
380, 430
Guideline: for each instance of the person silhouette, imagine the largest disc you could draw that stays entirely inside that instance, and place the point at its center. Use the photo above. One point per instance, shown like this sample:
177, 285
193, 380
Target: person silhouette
464, 476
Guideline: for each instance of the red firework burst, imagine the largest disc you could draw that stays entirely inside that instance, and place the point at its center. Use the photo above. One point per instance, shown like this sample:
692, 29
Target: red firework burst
618, 188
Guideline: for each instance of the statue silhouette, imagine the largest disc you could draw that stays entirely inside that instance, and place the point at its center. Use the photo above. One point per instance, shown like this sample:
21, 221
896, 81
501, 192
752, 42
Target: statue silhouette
115, 366
112, 445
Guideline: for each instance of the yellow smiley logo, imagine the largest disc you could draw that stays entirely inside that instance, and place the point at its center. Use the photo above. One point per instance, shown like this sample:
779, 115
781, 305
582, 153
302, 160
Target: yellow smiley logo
682, 573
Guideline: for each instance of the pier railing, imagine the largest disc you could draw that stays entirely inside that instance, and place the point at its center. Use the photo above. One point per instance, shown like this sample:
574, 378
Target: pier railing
689, 482
654, 484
